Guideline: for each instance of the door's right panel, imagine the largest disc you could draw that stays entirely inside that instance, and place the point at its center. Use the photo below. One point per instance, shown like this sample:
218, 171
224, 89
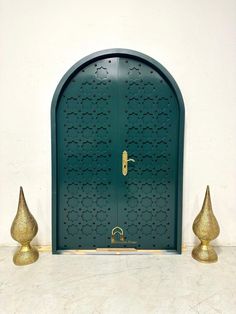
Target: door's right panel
149, 118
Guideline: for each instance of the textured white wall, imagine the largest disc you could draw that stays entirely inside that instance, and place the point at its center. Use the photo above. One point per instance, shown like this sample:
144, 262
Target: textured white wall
194, 40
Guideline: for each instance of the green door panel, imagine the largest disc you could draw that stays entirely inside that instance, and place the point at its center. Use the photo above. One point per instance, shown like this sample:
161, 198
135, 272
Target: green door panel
109, 102
86, 116
149, 118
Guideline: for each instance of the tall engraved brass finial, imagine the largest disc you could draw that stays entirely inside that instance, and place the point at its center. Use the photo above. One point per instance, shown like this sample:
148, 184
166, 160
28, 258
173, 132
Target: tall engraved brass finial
23, 230
206, 228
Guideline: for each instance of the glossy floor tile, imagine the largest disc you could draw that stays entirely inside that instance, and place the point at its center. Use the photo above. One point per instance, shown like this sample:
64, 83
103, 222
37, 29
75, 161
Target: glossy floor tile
118, 284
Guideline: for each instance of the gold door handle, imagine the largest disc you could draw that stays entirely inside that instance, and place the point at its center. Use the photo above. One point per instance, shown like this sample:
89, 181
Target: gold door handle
125, 161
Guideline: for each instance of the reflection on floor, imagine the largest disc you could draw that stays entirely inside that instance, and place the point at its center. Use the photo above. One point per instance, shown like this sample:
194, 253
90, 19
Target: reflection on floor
118, 284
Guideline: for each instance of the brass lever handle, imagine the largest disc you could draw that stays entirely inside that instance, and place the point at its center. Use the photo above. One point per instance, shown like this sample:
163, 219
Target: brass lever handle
125, 161
131, 159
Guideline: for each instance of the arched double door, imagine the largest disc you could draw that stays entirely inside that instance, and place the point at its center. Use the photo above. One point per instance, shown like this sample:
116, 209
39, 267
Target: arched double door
117, 146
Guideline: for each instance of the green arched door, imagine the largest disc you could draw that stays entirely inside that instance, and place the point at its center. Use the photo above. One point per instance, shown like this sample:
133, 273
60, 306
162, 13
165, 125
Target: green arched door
117, 143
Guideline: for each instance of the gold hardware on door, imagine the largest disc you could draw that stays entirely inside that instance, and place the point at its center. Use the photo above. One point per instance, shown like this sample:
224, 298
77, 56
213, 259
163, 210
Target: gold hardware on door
118, 237
117, 230
125, 161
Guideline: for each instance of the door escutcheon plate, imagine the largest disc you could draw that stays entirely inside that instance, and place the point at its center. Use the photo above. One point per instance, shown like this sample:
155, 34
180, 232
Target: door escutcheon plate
125, 161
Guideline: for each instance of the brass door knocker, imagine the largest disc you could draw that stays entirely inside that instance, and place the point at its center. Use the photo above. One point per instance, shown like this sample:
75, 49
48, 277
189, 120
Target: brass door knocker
121, 237
117, 230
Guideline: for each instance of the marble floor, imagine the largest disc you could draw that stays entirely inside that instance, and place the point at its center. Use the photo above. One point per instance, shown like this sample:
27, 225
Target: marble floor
118, 284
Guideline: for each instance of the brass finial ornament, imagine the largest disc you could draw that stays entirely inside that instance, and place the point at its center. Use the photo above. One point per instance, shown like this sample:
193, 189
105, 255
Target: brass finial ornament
206, 228
23, 230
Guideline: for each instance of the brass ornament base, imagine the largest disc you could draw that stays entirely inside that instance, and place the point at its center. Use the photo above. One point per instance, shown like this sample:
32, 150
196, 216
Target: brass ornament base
205, 253
206, 228
25, 255
23, 230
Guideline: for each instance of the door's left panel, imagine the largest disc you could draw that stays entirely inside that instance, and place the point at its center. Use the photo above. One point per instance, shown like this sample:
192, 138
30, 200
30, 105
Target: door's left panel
86, 159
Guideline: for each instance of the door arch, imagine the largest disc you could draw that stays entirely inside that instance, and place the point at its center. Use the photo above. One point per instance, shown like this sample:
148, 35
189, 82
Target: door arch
111, 102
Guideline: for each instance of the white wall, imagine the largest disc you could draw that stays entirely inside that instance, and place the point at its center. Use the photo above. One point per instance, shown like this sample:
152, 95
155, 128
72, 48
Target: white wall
194, 40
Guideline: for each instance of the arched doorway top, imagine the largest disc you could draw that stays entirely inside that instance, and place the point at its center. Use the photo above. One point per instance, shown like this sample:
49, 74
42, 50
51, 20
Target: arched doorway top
117, 52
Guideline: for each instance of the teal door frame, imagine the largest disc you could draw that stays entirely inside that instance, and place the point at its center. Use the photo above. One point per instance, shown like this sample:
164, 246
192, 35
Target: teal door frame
109, 53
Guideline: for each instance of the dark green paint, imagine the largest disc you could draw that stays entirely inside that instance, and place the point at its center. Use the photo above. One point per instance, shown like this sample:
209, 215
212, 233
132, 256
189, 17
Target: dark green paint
111, 101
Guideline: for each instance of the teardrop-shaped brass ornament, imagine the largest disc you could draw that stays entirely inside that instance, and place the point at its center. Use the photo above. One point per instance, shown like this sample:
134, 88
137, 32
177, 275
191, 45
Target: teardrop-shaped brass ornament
23, 230
206, 228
